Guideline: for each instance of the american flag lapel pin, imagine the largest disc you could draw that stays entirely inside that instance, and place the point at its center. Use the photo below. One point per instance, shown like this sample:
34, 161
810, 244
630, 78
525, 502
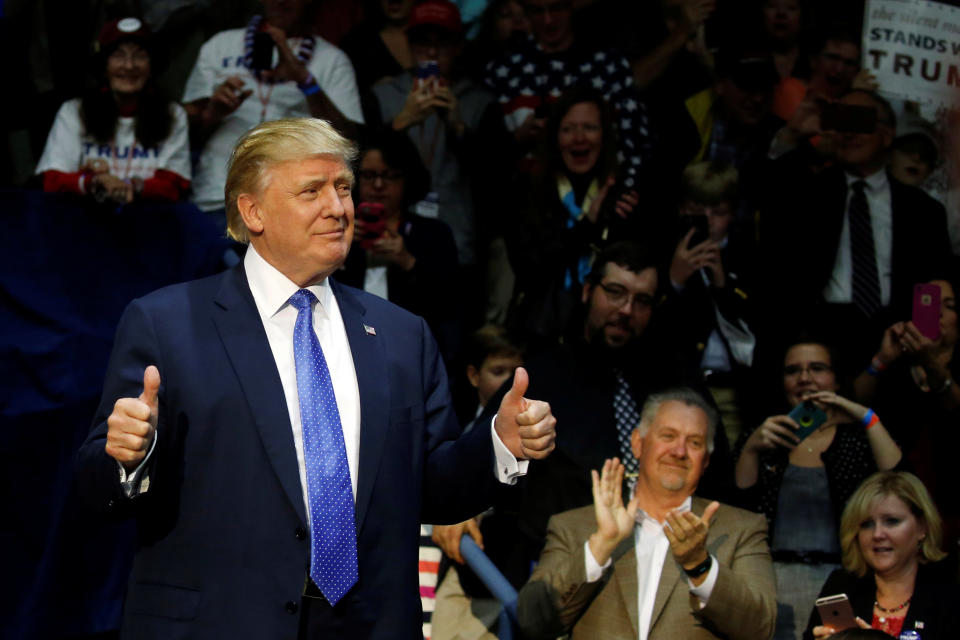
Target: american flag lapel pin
370, 330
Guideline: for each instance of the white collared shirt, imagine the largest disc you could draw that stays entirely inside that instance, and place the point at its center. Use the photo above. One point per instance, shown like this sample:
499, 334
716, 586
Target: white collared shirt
877, 191
651, 546
271, 290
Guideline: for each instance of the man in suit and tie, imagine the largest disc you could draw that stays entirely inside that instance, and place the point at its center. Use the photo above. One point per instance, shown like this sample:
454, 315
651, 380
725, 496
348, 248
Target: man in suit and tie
278, 436
845, 245
666, 565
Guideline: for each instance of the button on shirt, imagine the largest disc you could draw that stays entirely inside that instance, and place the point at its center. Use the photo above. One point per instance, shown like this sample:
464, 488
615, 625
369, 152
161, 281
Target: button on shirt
877, 191
651, 547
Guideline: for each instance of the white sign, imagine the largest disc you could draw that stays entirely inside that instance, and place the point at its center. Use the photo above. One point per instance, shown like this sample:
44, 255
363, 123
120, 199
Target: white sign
913, 47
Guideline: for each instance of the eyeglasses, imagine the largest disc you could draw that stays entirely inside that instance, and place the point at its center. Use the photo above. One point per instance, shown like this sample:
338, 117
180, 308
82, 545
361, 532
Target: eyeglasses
390, 176
814, 369
618, 296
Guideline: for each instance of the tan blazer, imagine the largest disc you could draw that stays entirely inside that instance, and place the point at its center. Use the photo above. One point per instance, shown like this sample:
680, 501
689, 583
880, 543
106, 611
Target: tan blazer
557, 597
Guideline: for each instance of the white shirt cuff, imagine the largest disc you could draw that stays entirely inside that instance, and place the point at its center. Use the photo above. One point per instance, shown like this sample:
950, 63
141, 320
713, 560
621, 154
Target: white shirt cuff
594, 570
705, 588
128, 481
508, 467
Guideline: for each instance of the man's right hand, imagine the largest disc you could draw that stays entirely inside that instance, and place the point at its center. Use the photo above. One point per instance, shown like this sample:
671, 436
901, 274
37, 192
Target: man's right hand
226, 98
614, 520
448, 537
688, 260
133, 423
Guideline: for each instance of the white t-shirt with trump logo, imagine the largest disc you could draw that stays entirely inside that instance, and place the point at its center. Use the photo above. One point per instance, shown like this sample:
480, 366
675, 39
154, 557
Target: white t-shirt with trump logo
69, 147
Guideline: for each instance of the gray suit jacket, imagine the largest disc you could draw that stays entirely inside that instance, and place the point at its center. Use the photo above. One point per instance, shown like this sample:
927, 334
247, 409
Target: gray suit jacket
557, 599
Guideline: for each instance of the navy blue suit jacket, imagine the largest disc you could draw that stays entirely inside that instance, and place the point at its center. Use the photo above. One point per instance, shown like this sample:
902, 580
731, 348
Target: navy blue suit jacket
222, 550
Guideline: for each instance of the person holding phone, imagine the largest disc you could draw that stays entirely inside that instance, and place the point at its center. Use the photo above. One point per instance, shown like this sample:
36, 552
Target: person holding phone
911, 380
275, 67
709, 294
801, 486
412, 260
894, 571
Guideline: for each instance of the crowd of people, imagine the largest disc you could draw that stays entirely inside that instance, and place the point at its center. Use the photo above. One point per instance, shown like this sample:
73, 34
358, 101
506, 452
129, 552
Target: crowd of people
704, 232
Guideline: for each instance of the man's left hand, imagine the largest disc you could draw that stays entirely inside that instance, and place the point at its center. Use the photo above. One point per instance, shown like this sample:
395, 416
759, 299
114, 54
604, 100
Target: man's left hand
687, 533
526, 427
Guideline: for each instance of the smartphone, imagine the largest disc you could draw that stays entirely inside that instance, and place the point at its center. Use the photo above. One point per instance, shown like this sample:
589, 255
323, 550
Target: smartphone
428, 71
926, 309
374, 223
701, 226
837, 612
847, 118
809, 416
262, 52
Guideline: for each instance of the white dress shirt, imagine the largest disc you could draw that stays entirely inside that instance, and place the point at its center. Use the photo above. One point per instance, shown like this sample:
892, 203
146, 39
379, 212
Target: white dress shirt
877, 191
271, 290
651, 546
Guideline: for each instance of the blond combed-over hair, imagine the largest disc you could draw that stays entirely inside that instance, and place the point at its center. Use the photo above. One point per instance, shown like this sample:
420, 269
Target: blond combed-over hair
272, 143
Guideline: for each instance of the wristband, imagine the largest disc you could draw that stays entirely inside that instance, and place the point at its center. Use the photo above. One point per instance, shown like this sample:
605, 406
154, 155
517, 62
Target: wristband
869, 419
876, 367
701, 568
309, 86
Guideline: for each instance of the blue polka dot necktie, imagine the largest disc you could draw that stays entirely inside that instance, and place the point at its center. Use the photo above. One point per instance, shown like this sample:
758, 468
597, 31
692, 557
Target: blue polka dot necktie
333, 531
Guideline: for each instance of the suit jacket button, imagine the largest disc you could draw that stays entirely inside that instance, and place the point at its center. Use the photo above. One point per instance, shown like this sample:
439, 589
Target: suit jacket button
301, 533
291, 607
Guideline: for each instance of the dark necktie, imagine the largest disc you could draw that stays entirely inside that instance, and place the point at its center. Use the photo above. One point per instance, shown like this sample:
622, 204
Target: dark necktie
866, 283
333, 529
627, 417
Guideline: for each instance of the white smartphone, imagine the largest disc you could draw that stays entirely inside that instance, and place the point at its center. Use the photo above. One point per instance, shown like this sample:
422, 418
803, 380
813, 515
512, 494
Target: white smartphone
836, 612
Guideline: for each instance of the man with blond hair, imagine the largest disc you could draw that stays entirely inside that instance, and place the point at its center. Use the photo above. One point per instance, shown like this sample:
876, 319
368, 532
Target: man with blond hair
278, 436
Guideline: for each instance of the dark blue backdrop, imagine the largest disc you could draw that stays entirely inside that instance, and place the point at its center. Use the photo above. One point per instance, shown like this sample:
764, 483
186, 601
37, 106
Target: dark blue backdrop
67, 270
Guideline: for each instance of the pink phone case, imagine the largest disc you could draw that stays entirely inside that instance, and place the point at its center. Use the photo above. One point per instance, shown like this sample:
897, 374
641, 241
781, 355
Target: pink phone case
926, 309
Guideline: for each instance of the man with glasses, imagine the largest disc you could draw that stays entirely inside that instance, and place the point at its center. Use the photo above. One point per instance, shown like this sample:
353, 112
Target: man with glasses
596, 382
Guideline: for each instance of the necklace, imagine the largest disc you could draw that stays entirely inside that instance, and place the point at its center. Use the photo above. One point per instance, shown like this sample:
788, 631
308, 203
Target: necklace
893, 610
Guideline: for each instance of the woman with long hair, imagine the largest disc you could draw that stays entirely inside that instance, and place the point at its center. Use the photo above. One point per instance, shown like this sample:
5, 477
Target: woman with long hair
121, 141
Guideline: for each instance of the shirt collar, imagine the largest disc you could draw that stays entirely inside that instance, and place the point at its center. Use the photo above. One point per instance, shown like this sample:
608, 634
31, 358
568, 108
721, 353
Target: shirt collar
876, 180
271, 289
684, 506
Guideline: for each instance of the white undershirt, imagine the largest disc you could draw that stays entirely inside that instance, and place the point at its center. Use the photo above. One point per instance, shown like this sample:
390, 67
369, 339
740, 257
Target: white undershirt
651, 546
877, 191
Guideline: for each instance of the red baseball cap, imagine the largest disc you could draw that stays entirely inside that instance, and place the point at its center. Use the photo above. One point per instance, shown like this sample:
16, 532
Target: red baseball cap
440, 14
122, 29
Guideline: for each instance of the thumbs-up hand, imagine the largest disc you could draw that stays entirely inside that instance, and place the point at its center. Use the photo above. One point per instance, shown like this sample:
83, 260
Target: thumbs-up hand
133, 423
526, 427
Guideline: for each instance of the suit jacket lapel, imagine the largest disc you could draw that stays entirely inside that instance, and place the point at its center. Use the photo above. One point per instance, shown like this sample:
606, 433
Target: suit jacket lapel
670, 577
241, 330
369, 360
